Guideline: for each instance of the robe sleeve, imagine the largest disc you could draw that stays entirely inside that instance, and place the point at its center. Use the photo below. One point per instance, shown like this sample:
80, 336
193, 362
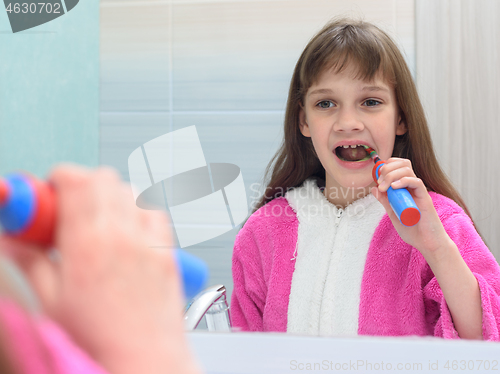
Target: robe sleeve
36, 345
485, 268
249, 292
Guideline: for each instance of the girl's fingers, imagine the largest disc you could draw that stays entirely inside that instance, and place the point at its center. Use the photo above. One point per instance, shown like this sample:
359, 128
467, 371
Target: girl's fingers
398, 162
67, 175
388, 179
41, 272
160, 241
414, 184
158, 224
394, 170
91, 202
394, 164
70, 175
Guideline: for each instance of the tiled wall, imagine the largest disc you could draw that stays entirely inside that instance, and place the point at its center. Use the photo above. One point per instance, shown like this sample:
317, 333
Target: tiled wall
223, 66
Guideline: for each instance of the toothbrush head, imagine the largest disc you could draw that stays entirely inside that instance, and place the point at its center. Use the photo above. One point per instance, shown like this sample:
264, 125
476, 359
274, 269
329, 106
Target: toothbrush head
370, 151
376, 160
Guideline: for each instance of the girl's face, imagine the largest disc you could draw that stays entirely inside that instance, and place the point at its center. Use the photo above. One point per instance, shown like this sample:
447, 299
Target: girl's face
340, 113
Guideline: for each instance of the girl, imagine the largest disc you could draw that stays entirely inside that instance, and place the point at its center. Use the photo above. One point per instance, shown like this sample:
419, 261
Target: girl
330, 257
110, 304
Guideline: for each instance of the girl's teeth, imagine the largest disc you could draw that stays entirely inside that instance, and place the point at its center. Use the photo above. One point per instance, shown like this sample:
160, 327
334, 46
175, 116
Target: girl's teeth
352, 146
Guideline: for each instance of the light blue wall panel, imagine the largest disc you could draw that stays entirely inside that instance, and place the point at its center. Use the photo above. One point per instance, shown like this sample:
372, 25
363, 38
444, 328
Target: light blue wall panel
49, 92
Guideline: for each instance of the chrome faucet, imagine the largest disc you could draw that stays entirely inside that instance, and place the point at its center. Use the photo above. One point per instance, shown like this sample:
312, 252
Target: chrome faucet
212, 304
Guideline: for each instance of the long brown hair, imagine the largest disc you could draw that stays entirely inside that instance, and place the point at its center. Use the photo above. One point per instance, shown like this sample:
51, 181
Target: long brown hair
341, 43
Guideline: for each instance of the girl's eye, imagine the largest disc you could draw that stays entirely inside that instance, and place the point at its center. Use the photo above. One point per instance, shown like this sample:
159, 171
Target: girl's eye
325, 104
371, 102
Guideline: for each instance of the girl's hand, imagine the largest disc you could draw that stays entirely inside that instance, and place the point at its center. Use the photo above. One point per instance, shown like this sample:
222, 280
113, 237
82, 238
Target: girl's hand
428, 235
118, 297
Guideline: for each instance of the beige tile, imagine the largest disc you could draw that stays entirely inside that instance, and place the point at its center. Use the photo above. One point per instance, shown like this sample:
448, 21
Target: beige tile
247, 140
240, 55
405, 30
122, 133
134, 48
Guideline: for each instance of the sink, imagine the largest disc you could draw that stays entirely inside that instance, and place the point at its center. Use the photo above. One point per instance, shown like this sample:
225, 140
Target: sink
275, 353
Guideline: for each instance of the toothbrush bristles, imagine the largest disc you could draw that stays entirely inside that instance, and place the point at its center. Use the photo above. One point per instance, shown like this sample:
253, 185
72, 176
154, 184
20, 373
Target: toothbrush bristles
372, 153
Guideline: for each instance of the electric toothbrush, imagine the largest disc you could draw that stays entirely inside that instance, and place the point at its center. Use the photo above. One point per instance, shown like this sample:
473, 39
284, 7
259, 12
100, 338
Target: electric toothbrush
28, 213
401, 201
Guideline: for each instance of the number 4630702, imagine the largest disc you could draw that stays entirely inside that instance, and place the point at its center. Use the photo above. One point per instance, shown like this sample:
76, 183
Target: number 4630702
471, 365
33, 8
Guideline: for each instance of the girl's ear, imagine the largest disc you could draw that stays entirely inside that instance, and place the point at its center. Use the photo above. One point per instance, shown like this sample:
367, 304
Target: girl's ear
401, 127
304, 127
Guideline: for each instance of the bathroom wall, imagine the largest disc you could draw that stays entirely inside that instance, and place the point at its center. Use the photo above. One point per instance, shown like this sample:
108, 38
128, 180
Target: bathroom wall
49, 86
459, 84
223, 66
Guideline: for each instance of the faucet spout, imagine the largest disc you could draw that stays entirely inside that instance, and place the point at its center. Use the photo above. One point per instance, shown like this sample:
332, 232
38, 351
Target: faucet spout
212, 304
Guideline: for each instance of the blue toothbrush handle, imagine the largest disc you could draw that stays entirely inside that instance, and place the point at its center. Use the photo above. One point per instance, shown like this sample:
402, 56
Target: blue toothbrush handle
402, 203
193, 271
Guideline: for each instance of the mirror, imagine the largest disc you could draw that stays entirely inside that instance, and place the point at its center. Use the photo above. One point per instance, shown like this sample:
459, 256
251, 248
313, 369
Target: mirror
225, 68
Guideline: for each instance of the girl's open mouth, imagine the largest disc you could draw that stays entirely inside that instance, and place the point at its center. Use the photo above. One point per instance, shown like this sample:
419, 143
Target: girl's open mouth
352, 153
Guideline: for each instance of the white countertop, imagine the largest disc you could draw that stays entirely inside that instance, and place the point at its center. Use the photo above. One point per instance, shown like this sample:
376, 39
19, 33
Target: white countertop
266, 353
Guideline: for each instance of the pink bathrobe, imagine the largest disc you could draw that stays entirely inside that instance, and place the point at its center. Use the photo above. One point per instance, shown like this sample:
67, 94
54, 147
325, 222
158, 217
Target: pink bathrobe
399, 293
36, 345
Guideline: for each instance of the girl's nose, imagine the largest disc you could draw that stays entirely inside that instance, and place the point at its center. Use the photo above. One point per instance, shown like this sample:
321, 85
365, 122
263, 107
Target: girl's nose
347, 120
